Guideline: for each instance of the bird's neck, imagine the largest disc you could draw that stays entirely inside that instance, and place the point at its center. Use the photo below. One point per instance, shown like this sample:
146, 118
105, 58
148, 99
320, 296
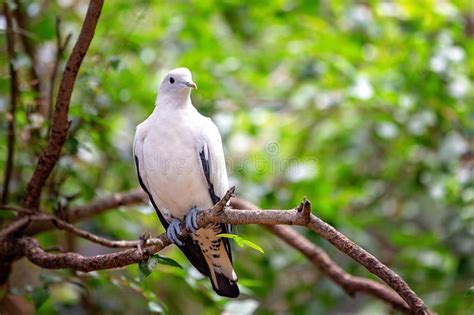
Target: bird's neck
168, 104
175, 100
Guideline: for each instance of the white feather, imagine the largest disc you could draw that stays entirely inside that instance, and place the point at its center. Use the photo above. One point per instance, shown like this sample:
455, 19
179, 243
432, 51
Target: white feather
167, 146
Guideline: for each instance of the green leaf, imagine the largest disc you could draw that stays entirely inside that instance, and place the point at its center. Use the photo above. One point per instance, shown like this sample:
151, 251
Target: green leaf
236, 238
227, 235
114, 62
470, 291
72, 145
39, 296
241, 241
253, 245
167, 261
251, 283
146, 267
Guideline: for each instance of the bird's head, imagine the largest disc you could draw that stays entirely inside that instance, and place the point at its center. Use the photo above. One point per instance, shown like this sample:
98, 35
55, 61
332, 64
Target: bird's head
178, 82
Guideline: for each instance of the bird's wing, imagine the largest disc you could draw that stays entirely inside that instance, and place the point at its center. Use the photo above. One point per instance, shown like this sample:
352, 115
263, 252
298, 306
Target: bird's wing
140, 135
219, 259
190, 249
212, 159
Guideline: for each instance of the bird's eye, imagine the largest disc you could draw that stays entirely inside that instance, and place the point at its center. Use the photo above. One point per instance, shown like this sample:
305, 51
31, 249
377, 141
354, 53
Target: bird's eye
171, 80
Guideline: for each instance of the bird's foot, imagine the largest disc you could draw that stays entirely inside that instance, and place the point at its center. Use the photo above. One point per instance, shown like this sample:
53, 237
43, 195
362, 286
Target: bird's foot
191, 219
174, 231
144, 237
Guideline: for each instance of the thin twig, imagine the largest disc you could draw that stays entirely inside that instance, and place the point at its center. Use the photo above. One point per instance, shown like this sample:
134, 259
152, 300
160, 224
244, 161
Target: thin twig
63, 225
14, 227
59, 130
95, 238
96, 207
220, 205
16, 209
10, 115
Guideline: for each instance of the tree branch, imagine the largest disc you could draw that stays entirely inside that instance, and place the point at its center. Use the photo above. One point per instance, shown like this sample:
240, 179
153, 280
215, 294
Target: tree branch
298, 216
101, 205
318, 257
39, 257
59, 131
30, 248
92, 237
60, 47
10, 115
15, 226
217, 214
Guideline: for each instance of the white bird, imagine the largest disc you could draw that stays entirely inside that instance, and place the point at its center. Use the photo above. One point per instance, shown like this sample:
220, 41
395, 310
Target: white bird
180, 165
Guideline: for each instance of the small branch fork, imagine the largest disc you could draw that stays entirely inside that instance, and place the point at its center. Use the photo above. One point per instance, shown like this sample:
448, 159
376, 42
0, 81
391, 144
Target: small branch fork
301, 215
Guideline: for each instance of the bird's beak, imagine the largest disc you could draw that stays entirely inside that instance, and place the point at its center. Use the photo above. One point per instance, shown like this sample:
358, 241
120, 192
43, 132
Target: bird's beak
190, 84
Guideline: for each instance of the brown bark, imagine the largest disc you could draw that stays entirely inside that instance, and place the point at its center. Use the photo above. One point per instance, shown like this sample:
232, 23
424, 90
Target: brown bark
318, 257
60, 126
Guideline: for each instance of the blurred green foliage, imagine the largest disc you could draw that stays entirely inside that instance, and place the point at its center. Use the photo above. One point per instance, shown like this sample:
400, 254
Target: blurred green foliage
365, 107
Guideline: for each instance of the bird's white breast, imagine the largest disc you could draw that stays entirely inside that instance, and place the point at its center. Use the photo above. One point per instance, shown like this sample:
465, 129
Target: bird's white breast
172, 164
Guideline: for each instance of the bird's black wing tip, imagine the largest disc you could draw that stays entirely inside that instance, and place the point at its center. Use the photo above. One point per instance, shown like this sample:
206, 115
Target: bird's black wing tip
227, 288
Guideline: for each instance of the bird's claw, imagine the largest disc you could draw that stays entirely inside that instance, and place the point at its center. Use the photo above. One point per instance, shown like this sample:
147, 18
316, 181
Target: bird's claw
174, 231
191, 219
144, 237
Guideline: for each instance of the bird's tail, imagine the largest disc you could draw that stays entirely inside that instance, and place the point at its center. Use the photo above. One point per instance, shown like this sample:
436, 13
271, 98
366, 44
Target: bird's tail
222, 274
224, 286
219, 261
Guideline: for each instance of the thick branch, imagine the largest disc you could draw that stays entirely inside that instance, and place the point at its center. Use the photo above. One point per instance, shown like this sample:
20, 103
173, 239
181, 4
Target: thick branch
15, 226
318, 257
60, 127
60, 47
10, 115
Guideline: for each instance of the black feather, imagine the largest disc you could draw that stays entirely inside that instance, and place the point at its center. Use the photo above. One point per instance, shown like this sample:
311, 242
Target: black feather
142, 184
206, 166
227, 287
207, 173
